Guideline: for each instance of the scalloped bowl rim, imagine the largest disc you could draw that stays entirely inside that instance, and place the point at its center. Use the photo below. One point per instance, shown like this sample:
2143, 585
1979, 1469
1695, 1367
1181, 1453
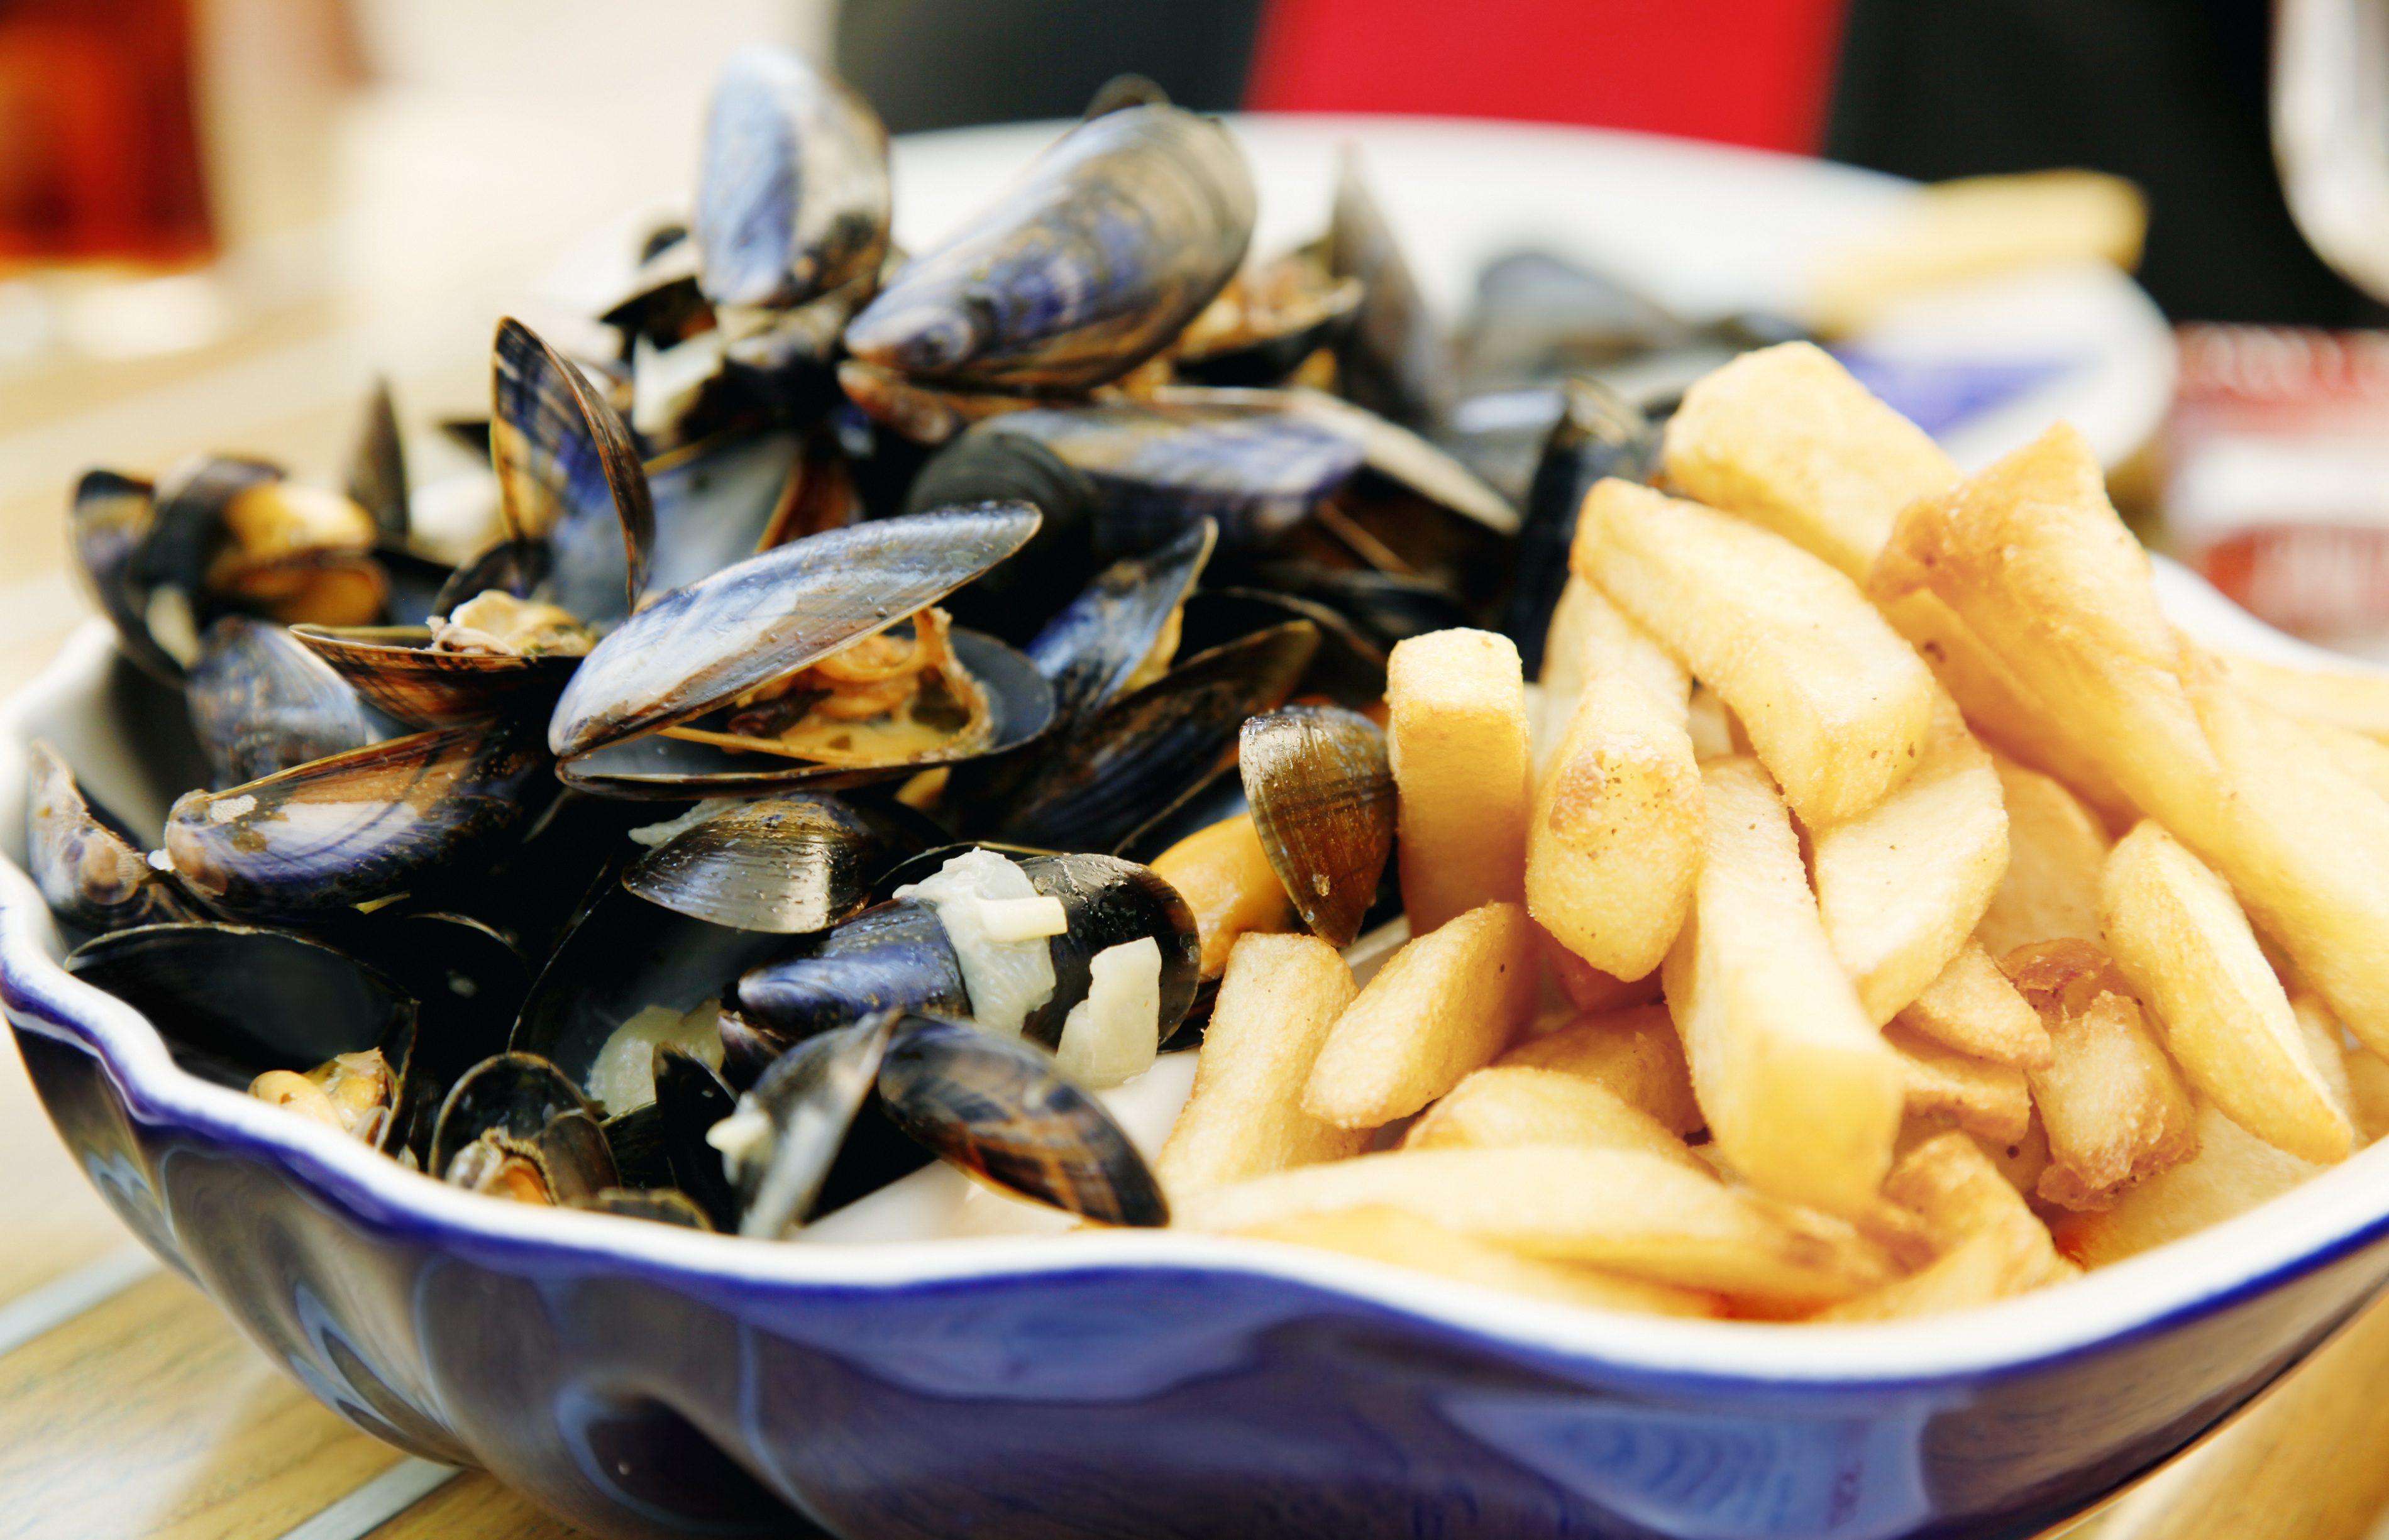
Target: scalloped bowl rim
2331, 1216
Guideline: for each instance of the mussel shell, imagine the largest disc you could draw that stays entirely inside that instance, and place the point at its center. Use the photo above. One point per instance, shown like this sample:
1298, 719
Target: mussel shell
108, 523
1111, 901
690, 1098
922, 412
1395, 359
1349, 669
996, 1108
467, 979
1321, 791
811, 1097
567, 474
233, 1002
87, 867
1126, 90
772, 614
661, 1205
895, 956
1103, 636
1537, 315
1017, 595
1384, 607
793, 197
786, 865
1101, 254
189, 529
1217, 797
395, 668
1093, 786
658, 767
261, 702
663, 302
536, 1111
1263, 349
514, 567
716, 500
357, 826
1599, 433
378, 469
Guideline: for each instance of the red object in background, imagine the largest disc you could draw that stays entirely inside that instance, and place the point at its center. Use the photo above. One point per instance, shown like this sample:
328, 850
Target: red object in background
99, 154
1742, 71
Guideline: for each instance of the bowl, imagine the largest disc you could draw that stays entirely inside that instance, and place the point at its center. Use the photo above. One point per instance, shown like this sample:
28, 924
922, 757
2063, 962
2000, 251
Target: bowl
641, 1381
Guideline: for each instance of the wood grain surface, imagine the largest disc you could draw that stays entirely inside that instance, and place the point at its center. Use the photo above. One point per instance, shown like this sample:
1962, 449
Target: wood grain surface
473, 1506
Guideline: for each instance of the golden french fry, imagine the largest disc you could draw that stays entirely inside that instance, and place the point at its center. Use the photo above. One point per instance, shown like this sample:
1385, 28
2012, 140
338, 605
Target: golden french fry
1226, 879
2234, 1171
2057, 848
1715, 732
2352, 698
1635, 1052
1615, 839
1443, 1005
1785, 438
1971, 1006
1837, 706
2368, 1089
1621, 1210
2366, 758
2326, 1049
2020, 1165
2114, 1110
1590, 637
1406, 1240
1959, 1192
2179, 936
1984, 1269
1901, 885
1459, 745
1497, 1106
1802, 1096
1278, 999
1955, 1090
1586, 987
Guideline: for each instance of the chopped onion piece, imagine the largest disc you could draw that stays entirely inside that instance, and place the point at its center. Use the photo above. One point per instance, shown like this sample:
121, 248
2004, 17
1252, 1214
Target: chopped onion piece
1006, 978
1113, 1035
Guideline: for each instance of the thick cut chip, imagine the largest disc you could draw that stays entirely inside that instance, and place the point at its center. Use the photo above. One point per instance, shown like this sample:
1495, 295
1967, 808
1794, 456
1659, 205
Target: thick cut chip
1956, 1090
1972, 1008
1616, 840
1715, 734
1459, 746
1837, 706
2364, 757
2367, 1091
2326, 1049
2234, 1171
1591, 637
2180, 939
1635, 1052
1496, 1107
1621, 1210
2354, 699
1802, 1096
1406, 1240
1901, 885
1949, 1184
1443, 1005
2057, 849
1785, 438
1586, 987
1224, 875
1984, 1269
1279, 996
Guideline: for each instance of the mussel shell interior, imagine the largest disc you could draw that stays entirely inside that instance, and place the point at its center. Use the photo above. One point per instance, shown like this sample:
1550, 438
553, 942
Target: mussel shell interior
514, 567
468, 981
108, 522
786, 865
396, 669
568, 474
690, 1098
84, 860
812, 1096
1349, 669
1102, 637
262, 702
716, 499
661, 1205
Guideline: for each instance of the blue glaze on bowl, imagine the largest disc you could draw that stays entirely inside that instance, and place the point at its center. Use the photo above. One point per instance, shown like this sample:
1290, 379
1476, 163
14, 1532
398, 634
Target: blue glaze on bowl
641, 1381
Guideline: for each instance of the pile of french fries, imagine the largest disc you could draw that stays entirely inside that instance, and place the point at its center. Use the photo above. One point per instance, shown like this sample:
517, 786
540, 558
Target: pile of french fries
1936, 921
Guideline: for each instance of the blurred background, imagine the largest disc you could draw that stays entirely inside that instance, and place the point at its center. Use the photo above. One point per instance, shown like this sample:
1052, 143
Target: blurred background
220, 218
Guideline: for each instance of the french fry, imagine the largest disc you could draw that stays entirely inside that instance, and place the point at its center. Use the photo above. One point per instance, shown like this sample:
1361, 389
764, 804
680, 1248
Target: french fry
1636, 1053
1278, 999
1615, 839
2057, 849
1971, 1006
2180, 940
1406, 1240
1901, 885
1984, 1269
2327, 1051
2368, 1087
2020, 1165
1459, 752
2233, 1173
1620, 1210
1952, 1088
1225, 877
2364, 757
1802, 1096
1837, 706
2352, 698
1498, 1107
2114, 1110
1590, 637
1715, 732
1786, 438
1443, 1005
1959, 1192
1586, 987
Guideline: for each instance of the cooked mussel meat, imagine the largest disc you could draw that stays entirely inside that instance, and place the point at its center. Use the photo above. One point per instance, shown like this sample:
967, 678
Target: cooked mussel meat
516, 1127
356, 1093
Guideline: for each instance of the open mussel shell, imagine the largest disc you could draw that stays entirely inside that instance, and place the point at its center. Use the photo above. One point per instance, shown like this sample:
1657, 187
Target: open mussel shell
1322, 792
378, 469
567, 474
717, 501
235, 534
522, 1112
1349, 669
786, 865
358, 826
1093, 261
511, 566
772, 614
396, 669
467, 979
657, 1205
1112, 902
261, 702
1384, 607
1266, 322
1019, 595
924, 412
1091, 787
690, 1098
793, 197
999, 1109
1118, 627
1599, 433
1394, 359
789, 1128
88, 867
108, 522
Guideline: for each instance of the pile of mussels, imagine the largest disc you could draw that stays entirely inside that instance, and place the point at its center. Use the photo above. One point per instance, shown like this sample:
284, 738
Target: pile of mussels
762, 815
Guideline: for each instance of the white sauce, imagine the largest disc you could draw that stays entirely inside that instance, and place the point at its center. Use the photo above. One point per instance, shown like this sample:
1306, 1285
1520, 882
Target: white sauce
1006, 975
1112, 1035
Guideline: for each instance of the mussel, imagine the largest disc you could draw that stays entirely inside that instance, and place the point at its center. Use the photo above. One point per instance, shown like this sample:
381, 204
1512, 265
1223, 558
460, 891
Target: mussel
432, 676
568, 475
793, 199
262, 702
1270, 318
1321, 791
516, 1127
88, 867
1599, 433
1123, 631
1393, 360
780, 1144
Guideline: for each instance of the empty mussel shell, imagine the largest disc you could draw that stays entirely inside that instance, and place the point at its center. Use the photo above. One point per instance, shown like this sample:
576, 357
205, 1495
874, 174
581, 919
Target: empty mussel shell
397, 670
1394, 359
89, 869
358, 826
1019, 595
793, 198
108, 522
569, 475
999, 1109
260, 702
1322, 792
785, 864
378, 469
662, 1206
1122, 630
516, 1127
780, 1144
1599, 433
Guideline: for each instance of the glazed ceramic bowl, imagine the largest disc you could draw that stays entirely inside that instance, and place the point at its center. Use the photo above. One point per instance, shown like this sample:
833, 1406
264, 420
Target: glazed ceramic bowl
638, 1380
